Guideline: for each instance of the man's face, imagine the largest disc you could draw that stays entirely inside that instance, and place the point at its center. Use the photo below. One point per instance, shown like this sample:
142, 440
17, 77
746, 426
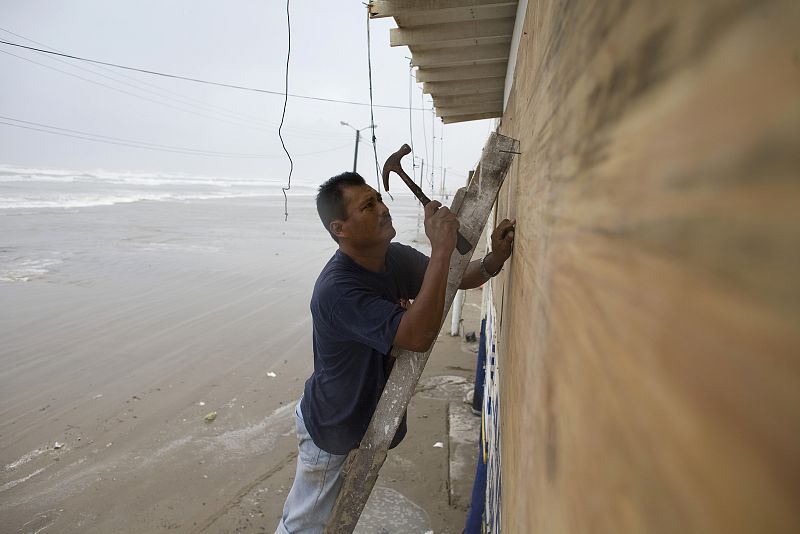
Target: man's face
368, 221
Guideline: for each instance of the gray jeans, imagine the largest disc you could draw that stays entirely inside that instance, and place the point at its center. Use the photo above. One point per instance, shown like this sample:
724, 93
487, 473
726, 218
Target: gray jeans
316, 485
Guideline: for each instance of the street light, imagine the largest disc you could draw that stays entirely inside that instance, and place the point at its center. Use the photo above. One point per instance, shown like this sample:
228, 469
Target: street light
358, 138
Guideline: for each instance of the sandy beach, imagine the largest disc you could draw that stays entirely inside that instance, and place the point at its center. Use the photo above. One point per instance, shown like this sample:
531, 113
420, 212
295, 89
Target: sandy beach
123, 327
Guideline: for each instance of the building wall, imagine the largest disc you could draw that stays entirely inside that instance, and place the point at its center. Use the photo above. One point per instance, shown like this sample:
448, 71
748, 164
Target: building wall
650, 316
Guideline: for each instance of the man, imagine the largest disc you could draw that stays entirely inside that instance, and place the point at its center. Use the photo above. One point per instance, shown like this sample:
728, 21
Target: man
360, 311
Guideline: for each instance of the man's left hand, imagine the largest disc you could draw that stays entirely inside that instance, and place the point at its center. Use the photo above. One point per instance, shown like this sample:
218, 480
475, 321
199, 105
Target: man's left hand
481, 270
503, 241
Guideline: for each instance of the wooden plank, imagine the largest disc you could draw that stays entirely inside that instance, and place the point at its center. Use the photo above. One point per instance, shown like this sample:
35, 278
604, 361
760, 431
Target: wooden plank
391, 8
465, 100
491, 107
475, 117
453, 33
439, 16
472, 205
460, 43
452, 57
490, 70
650, 314
490, 86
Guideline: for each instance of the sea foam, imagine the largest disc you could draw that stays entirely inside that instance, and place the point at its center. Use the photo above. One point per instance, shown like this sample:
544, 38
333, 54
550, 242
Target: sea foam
36, 188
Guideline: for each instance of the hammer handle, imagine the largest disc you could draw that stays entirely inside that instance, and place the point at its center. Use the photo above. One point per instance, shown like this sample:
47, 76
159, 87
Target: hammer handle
462, 245
417, 190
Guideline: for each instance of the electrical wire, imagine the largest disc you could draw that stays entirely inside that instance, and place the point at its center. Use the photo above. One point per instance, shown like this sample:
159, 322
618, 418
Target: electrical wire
178, 97
115, 77
441, 158
371, 112
99, 138
125, 142
411, 121
141, 97
425, 136
199, 80
283, 113
236, 122
433, 149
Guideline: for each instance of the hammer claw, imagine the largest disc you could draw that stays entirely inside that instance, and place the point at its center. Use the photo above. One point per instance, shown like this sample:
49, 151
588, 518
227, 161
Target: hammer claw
393, 164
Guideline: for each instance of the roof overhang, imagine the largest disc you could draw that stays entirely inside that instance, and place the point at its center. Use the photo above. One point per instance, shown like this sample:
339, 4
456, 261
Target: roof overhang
461, 50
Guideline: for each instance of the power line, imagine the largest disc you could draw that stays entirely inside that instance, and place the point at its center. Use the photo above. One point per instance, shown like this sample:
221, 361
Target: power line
141, 97
235, 122
199, 80
371, 113
441, 157
433, 148
410, 121
182, 99
424, 135
283, 113
98, 138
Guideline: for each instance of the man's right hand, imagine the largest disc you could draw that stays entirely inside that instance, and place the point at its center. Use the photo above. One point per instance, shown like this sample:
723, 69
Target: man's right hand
441, 227
419, 325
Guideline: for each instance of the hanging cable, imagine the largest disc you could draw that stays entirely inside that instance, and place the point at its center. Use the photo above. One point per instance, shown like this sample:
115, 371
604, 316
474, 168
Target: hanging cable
198, 80
162, 92
411, 121
424, 135
159, 91
140, 97
441, 160
107, 139
371, 111
433, 148
283, 114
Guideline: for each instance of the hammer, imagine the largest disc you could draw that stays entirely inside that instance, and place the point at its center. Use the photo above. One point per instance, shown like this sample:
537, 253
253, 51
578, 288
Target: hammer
393, 164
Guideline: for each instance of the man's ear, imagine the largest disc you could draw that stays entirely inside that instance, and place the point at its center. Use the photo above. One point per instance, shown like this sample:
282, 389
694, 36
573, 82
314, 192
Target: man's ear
336, 227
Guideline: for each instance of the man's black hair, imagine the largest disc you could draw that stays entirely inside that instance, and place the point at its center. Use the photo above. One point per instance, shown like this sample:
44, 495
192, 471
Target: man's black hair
331, 204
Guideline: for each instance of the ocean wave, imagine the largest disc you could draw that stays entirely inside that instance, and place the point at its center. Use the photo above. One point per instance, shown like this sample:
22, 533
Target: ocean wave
18, 174
89, 201
25, 270
36, 188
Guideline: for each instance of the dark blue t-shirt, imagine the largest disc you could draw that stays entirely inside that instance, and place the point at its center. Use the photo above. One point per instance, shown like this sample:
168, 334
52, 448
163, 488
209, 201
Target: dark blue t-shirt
355, 313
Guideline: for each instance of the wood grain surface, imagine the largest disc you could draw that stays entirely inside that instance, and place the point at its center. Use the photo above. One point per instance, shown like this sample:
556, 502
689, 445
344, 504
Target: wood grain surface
650, 315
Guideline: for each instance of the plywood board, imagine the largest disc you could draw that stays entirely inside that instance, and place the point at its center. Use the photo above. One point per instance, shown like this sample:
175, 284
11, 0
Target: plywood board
650, 340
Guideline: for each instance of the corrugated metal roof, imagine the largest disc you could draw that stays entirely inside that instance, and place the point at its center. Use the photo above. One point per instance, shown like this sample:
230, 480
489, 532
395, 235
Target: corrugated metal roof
460, 49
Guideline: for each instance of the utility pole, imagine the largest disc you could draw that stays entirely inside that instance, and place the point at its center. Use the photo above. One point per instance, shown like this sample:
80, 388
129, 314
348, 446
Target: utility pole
358, 139
355, 155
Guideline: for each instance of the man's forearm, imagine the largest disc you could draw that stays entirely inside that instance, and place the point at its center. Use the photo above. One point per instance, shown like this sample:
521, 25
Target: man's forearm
420, 324
474, 277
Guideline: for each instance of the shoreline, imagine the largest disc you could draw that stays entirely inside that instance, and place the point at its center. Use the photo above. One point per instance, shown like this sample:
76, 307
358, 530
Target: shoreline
161, 315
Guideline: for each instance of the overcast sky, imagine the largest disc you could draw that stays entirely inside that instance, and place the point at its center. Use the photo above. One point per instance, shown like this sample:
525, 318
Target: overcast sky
242, 42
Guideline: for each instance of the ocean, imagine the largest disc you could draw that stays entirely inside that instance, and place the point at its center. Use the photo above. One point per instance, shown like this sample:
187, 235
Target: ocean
26, 188
50, 216
60, 225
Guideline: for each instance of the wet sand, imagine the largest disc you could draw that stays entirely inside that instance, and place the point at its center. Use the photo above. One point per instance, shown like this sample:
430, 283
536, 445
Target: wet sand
137, 321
